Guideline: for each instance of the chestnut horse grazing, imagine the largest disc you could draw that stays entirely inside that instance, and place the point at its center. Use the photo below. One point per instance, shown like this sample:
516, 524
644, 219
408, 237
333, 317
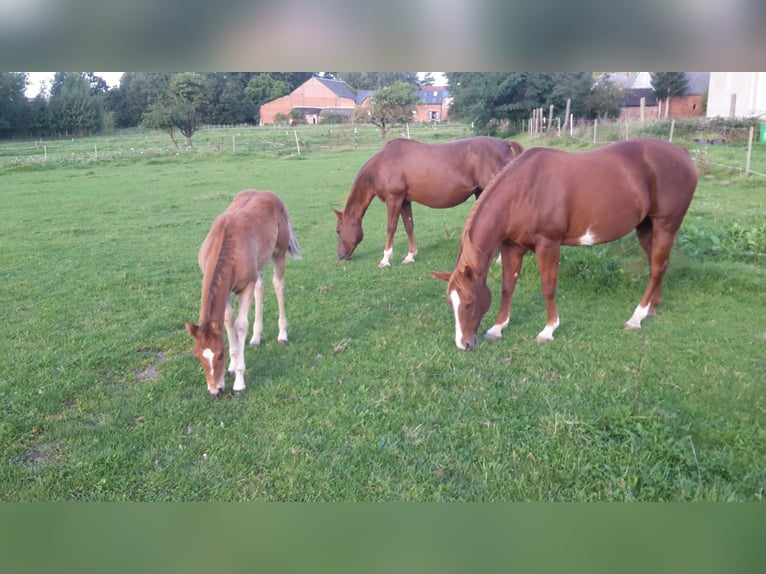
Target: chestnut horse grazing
436, 175
253, 230
549, 198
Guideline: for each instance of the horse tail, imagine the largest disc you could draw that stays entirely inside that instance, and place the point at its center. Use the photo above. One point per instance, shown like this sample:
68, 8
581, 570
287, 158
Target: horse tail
293, 248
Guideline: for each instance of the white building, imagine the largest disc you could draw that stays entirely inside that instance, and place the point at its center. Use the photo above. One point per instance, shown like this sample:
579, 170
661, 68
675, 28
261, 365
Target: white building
737, 94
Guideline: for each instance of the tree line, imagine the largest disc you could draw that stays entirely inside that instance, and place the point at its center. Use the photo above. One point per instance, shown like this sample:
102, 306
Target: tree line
81, 103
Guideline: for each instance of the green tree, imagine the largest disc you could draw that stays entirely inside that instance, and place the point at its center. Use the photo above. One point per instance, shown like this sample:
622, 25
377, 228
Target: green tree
74, 108
494, 100
668, 84
139, 91
180, 106
39, 117
264, 88
229, 104
14, 108
603, 100
393, 105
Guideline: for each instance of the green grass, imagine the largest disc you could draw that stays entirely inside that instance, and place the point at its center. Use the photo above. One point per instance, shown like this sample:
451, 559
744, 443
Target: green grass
103, 400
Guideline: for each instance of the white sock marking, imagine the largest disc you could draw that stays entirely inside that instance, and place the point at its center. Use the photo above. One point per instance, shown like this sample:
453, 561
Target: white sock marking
547, 333
495, 333
386, 261
410, 257
638, 315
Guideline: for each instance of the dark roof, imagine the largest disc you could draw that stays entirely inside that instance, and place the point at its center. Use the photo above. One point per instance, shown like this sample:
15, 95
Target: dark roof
340, 89
362, 95
698, 83
433, 95
632, 98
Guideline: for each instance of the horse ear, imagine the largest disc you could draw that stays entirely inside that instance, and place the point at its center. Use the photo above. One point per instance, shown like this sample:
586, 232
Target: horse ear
338, 214
516, 147
444, 275
192, 329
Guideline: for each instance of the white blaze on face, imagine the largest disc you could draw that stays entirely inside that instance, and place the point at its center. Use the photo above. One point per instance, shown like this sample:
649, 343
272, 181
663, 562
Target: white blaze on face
209, 355
588, 239
455, 299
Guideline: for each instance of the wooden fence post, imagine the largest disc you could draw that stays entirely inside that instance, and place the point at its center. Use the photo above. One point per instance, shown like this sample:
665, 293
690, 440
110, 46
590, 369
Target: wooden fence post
550, 118
595, 129
672, 128
749, 151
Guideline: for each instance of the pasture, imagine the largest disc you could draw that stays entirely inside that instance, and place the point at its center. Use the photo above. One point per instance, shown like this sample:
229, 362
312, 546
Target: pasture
370, 401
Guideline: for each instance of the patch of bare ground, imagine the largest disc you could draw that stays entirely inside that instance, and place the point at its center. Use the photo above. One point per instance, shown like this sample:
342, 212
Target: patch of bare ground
151, 371
43, 453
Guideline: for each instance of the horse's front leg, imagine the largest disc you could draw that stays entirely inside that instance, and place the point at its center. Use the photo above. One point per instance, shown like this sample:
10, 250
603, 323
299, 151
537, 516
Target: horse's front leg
409, 227
258, 319
231, 335
393, 208
241, 325
512, 257
547, 254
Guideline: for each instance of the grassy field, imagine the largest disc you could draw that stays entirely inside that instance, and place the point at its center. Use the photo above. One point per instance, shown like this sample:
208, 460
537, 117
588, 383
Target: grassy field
103, 400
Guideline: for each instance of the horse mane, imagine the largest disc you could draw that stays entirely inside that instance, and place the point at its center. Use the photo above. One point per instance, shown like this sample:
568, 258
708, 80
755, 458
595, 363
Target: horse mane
469, 254
220, 251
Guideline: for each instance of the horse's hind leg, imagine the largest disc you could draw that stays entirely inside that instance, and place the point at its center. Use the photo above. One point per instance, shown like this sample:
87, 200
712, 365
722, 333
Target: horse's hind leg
278, 281
258, 319
661, 244
644, 234
409, 228
548, 255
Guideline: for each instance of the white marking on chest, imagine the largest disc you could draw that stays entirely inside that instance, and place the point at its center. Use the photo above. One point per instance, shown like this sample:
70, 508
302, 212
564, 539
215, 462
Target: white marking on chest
455, 299
209, 355
588, 239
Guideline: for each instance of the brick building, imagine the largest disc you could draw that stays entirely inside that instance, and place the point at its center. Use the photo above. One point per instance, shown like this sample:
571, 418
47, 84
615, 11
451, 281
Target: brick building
434, 106
638, 85
319, 97
315, 97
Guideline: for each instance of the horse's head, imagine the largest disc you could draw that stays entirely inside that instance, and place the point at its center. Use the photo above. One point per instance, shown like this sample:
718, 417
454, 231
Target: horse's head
209, 349
469, 298
350, 234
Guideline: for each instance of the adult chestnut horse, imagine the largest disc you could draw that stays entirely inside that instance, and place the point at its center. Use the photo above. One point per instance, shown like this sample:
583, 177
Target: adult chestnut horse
254, 229
549, 198
436, 175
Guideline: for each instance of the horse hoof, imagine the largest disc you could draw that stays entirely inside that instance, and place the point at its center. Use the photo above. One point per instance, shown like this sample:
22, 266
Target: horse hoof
543, 338
632, 326
239, 393
255, 344
382, 265
282, 341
